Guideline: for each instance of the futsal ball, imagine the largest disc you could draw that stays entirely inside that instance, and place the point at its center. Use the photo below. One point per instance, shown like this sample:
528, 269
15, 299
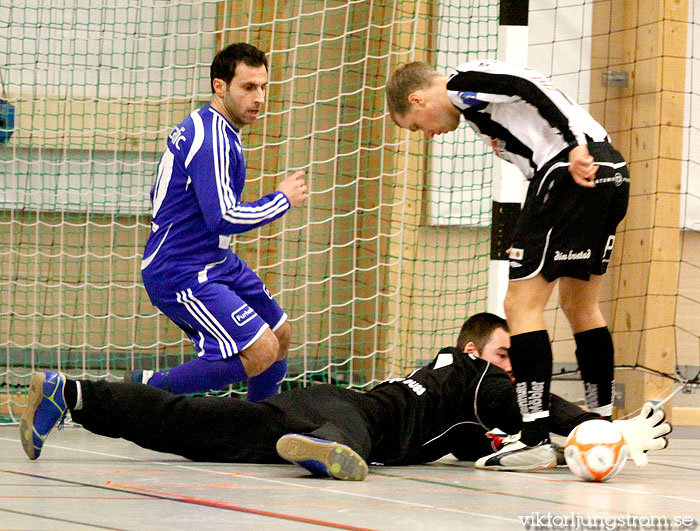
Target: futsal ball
596, 450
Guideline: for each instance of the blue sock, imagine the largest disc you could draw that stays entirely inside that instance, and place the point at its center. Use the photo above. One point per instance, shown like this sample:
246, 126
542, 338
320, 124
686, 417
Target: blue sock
267, 383
199, 376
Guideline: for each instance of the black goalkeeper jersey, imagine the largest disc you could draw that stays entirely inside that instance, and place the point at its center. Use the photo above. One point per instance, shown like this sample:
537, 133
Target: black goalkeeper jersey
447, 407
420, 414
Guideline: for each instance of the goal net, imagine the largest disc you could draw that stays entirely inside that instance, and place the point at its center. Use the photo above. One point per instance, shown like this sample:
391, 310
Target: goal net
635, 66
370, 284
391, 251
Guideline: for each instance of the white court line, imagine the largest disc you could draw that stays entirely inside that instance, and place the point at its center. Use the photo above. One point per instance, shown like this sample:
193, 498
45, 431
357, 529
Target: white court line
275, 481
611, 486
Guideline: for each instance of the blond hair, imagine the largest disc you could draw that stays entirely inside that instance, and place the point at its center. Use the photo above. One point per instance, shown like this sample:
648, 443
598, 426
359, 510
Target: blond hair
403, 82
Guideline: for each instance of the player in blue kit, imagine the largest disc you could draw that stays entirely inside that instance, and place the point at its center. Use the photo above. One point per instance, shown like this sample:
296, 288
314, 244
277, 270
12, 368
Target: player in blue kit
188, 268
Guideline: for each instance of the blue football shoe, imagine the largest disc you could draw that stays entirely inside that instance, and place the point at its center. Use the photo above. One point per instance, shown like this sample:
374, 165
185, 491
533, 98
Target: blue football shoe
322, 458
46, 406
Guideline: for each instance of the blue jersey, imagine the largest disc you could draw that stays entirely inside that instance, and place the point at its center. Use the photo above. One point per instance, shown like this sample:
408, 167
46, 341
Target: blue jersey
197, 203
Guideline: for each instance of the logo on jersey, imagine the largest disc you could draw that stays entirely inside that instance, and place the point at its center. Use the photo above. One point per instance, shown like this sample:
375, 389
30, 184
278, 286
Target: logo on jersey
616, 179
410, 383
176, 137
267, 292
242, 315
499, 148
469, 98
581, 255
543, 82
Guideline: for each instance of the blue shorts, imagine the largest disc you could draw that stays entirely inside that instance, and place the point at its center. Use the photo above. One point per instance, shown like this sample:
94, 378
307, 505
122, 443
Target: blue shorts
225, 314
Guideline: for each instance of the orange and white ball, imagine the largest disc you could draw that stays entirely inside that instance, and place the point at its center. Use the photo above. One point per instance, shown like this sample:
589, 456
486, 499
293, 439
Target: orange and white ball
596, 450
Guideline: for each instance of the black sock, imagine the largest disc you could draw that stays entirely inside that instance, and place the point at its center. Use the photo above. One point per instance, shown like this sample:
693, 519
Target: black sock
531, 359
70, 393
596, 361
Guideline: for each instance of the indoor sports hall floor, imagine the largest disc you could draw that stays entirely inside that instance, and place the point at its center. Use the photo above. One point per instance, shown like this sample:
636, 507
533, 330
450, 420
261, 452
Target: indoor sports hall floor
83, 481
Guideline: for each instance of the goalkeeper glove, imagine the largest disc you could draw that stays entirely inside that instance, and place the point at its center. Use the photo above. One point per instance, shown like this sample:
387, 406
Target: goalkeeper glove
644, 432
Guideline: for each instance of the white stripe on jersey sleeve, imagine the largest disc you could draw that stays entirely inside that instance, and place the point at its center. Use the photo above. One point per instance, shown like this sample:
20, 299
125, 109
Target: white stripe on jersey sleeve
220, 151
231, 210
198, 139
216, 155
243, 212
230, 199
270, 210
281, 198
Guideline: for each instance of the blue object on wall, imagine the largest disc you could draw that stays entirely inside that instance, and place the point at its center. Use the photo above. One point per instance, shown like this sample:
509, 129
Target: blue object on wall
7, 121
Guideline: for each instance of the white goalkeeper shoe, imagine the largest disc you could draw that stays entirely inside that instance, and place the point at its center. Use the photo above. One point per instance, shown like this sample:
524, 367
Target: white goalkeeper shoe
644, 432
517, 456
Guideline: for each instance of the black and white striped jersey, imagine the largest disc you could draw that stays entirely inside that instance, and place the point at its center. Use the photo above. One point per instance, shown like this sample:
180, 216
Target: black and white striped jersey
519, 113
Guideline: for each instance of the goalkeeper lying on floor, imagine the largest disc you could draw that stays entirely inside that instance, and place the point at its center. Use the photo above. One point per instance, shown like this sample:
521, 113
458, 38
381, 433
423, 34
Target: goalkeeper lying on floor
446, 407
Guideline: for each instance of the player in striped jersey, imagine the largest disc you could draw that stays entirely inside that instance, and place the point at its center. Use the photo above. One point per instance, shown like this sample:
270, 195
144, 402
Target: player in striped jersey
188, 268
578, 194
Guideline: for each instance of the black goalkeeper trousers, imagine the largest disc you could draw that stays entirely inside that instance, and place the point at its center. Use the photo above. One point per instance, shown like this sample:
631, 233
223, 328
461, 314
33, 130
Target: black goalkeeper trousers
220, 429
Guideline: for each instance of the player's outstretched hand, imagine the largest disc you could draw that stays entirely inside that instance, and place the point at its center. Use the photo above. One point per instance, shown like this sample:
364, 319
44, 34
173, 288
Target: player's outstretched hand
294, 187
582, 167
644, 432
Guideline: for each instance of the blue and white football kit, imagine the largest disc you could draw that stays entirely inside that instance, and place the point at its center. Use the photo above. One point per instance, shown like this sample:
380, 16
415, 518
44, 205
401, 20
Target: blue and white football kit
188, 268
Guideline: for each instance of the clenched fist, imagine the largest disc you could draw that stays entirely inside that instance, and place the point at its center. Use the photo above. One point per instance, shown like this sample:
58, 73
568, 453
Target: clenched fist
294, 187
582, 167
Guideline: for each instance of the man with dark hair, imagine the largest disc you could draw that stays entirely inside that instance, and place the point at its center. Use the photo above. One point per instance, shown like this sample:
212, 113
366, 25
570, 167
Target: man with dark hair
578, 194
445, 407
225, 62
486, 336
188, 268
